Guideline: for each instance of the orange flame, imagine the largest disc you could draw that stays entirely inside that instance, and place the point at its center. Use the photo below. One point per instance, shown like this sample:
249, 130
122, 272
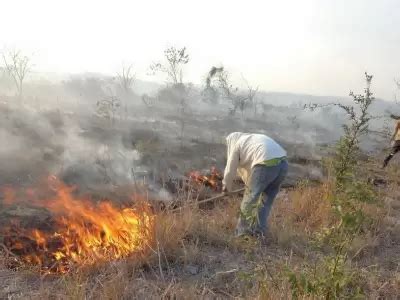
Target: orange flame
213, 179
83, 232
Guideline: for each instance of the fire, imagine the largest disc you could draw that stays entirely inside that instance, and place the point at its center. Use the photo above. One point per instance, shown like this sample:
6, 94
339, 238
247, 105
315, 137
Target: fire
212, 179
83, 233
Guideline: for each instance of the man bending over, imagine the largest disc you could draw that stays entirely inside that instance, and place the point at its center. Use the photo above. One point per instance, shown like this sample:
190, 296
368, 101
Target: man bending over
261, 163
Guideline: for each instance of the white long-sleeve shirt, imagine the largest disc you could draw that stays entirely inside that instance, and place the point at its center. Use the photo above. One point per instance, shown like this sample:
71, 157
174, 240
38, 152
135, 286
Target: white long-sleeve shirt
245, 150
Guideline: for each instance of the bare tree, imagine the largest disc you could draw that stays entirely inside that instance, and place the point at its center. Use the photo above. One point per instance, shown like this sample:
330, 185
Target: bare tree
238, 100
251, 95
17, 66
224, 82
175, 59
219, 77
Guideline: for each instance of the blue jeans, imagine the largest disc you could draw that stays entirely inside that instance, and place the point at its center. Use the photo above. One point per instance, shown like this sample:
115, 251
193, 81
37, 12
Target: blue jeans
259, 196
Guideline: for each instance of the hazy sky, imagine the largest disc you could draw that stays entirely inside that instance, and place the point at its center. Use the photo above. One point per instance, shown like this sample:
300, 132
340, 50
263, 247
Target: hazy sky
319, 47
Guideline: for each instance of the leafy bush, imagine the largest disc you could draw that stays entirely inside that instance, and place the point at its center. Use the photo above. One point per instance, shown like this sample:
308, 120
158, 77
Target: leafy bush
332, 276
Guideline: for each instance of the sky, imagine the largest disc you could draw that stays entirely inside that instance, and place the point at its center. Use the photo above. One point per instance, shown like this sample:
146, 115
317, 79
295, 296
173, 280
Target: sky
320, 47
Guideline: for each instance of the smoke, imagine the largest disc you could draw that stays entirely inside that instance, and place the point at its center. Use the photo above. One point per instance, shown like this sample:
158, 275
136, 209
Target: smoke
32, 143
56, 130
39, 143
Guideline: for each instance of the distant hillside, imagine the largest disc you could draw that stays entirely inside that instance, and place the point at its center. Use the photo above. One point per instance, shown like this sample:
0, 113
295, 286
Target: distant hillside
380, 107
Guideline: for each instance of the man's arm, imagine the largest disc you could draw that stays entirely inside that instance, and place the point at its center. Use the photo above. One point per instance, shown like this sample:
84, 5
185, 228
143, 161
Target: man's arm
230, 169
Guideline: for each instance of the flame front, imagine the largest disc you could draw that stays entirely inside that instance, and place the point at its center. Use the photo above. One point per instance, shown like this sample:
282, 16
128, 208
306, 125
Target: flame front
213, 179
83, 233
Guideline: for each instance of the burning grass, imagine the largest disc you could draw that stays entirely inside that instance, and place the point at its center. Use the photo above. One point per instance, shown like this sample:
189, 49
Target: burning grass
212, 179
80, 231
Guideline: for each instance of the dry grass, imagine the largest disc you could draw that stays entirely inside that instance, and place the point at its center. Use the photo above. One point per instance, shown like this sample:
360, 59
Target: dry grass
298, 214
307, 208
195, 255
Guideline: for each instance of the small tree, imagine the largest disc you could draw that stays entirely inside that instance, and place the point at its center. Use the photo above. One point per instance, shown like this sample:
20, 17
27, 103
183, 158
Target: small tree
17, 66
350, 191
333, 278
107, 108
175, 59
359, 118
346, 156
